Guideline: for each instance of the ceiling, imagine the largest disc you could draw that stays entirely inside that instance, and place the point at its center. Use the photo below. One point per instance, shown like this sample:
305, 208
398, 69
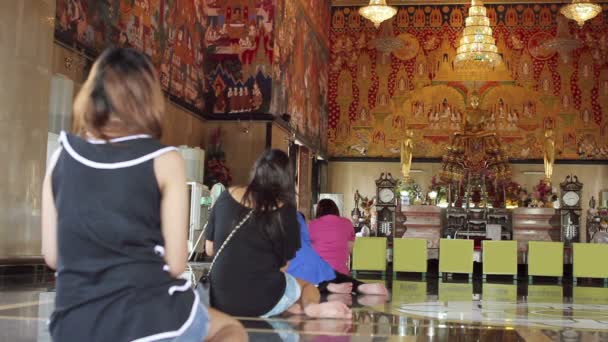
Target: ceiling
438, 2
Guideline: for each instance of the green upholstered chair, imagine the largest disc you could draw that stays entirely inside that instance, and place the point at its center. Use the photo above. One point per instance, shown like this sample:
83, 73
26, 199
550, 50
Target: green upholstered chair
589, 261
369, 254
499, 257
456, 256
455, 292
545, 294
408, 292
409, 255
493, 293
499, 293
545, 259
590, 295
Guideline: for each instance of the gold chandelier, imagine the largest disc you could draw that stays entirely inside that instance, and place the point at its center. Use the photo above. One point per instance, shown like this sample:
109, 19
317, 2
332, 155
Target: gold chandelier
581, 11
477, 48
563, 43
377, 11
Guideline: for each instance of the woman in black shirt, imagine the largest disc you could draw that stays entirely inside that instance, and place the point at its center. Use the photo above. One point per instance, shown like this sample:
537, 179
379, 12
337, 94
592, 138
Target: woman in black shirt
114, 218
248, 277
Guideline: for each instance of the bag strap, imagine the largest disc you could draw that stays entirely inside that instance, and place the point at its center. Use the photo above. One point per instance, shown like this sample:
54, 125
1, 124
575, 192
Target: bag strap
236, 228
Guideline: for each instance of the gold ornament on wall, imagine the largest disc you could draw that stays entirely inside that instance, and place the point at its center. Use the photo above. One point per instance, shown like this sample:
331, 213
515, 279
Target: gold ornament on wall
563, 43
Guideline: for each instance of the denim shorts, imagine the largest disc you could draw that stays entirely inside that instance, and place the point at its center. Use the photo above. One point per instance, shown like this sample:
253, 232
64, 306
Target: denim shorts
198, 329
290, 297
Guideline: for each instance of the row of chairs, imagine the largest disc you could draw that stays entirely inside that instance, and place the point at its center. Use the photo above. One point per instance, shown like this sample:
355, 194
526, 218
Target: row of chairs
499, 257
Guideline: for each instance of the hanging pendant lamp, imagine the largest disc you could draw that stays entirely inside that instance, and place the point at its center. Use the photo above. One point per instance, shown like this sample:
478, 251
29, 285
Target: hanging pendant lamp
477, 48
581, 11
377, 11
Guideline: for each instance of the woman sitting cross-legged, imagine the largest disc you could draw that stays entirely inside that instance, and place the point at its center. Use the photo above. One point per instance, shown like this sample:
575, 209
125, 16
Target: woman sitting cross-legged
115, 218
308, 265
332, 236
255, 232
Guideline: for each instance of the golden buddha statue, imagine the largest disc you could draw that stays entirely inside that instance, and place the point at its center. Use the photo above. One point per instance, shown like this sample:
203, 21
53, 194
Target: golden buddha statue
475, 149
549, 154
475, 117
407, 150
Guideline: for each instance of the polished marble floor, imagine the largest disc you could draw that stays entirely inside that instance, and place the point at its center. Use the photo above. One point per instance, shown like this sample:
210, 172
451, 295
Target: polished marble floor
417, 310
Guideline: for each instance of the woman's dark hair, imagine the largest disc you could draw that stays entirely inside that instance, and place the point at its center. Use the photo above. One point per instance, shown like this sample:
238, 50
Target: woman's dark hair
327, 207
270, 188
122, 95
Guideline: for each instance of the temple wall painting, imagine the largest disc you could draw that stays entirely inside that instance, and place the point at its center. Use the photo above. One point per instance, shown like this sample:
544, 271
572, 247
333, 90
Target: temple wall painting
383, 82
239, 39
213, 56
300, 67
218, 56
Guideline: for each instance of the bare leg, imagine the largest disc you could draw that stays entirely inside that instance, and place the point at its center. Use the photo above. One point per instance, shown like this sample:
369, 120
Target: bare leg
309, 302
345, 298
340, 288
225, 328
373, 289
372, 300
295, 309
328, 310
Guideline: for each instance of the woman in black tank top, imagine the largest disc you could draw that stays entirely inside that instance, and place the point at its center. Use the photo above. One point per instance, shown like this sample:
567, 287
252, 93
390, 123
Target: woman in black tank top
114, 218
249, 276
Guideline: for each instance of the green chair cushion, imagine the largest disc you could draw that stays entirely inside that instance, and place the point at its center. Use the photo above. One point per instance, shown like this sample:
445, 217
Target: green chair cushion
409, 255
455, 256
369, 254
545, 258
589, 260
499, 257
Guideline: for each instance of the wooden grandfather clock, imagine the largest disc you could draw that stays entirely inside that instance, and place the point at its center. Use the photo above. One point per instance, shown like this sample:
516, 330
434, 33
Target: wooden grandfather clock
386, 204
570, 209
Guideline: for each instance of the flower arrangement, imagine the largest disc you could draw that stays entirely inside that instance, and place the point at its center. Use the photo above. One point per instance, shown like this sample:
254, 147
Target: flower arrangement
440, 188
603, 213
512, 192
216, 170
542, 194
412, 188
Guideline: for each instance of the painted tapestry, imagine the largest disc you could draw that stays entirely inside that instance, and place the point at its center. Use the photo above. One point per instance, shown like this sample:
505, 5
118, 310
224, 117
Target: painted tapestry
401, 76
213, 56
300, 66
239, 39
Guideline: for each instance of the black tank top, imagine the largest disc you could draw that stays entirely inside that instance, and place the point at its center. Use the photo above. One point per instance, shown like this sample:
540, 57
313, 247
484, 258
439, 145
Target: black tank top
112, 281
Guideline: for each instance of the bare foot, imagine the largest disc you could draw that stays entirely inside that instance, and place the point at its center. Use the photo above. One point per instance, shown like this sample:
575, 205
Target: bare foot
373, 289
345, 298
372, 300
295, 309
340, 288
328, 310
329, 325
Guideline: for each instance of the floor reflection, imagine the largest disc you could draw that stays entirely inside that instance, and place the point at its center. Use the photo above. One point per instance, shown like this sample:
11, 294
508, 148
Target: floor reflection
417, 310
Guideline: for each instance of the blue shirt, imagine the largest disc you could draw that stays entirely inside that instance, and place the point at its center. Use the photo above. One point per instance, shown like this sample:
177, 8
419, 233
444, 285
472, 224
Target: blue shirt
307, 264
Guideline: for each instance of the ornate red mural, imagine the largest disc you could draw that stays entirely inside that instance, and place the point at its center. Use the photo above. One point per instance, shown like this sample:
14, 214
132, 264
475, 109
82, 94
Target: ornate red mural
300, 66
401, 76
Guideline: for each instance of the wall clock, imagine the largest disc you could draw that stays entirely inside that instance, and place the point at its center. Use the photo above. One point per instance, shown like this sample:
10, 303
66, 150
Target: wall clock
571, 190
386, 196
570, 211
386, 204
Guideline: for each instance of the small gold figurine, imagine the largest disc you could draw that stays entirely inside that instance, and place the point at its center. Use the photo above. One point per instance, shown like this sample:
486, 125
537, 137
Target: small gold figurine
407, 150
549, 154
